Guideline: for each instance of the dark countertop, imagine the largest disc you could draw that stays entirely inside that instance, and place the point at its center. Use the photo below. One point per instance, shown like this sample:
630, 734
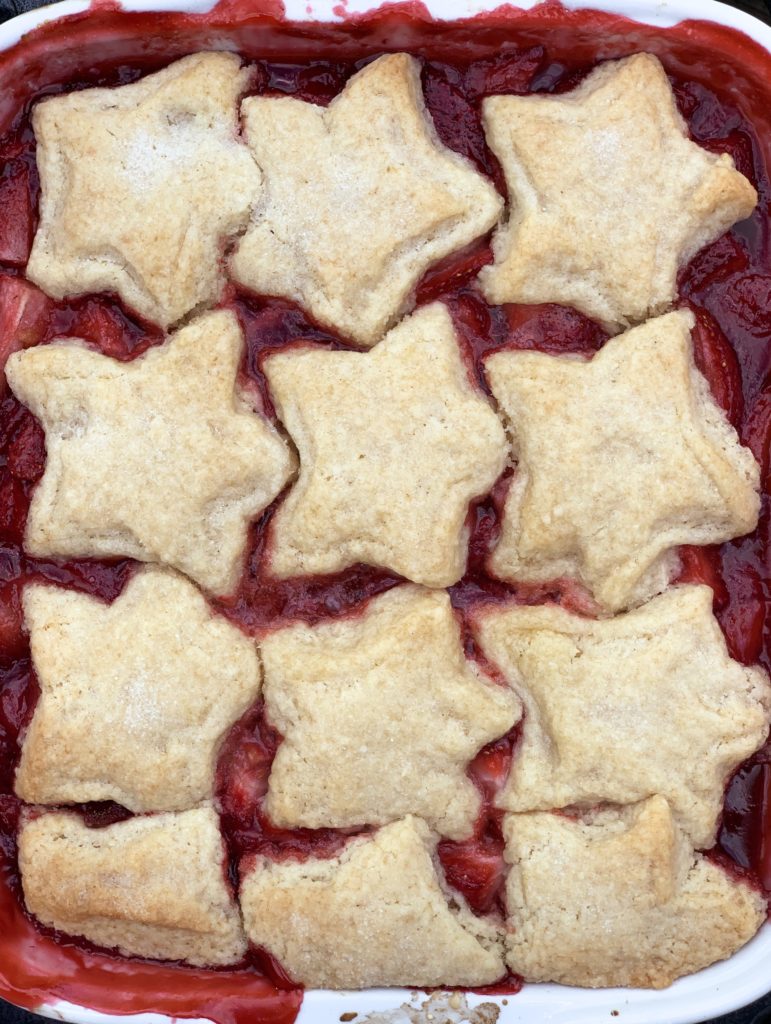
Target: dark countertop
757, 1013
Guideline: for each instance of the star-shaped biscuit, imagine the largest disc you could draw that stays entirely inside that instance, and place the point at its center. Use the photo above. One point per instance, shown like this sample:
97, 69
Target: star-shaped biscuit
142, 185
621, 459
394, 444
618, 898
135, 696
360, 199
377, 914
158, 459
151, 887
380, 717
609, 197
617, 709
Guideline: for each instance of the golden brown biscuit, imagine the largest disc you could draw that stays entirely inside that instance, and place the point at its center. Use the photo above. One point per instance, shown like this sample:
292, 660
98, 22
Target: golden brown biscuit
141, 186
374, 915
393, 444
151, 887
618, 898
618, 709
158, 459
621, 459
380, 715
609, 197
135, 696
361, 198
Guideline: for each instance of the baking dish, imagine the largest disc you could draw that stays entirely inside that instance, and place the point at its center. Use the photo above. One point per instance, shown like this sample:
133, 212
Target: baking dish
714, 991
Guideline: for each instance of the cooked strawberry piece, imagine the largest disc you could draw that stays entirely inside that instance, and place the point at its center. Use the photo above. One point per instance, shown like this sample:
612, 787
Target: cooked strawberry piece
476, 869
703, 565
27, 451
455, 116
103, 323
24, 313
717, 361
504, 73
453, 271
716, 262
12, 641
14, 503
16, 213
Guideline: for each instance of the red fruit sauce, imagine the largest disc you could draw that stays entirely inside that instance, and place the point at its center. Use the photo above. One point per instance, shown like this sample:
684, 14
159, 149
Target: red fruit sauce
721, 82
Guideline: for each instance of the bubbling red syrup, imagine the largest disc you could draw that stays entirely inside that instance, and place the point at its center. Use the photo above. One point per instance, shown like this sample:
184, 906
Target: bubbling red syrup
721, 83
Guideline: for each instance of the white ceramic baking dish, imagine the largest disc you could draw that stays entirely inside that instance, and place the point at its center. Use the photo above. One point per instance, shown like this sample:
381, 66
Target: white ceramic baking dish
719, 989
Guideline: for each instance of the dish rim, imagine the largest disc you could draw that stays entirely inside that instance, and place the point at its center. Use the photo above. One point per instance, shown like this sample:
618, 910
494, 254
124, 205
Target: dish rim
719, 989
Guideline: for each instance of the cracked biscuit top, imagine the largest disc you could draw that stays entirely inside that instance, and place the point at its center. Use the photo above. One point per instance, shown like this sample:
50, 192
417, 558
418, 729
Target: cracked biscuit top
142, 185
609, 197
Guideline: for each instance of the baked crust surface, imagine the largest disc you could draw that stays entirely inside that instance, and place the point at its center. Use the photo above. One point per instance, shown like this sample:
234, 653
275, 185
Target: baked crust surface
135, 696
374, 915
619, 709
380, 717
361, 198
151, 887
618, 899
620, 459
159, 459
609, 197
394, 444
142, 185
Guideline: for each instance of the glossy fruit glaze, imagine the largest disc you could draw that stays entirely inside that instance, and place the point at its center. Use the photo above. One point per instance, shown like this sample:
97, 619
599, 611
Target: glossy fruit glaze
721, 81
